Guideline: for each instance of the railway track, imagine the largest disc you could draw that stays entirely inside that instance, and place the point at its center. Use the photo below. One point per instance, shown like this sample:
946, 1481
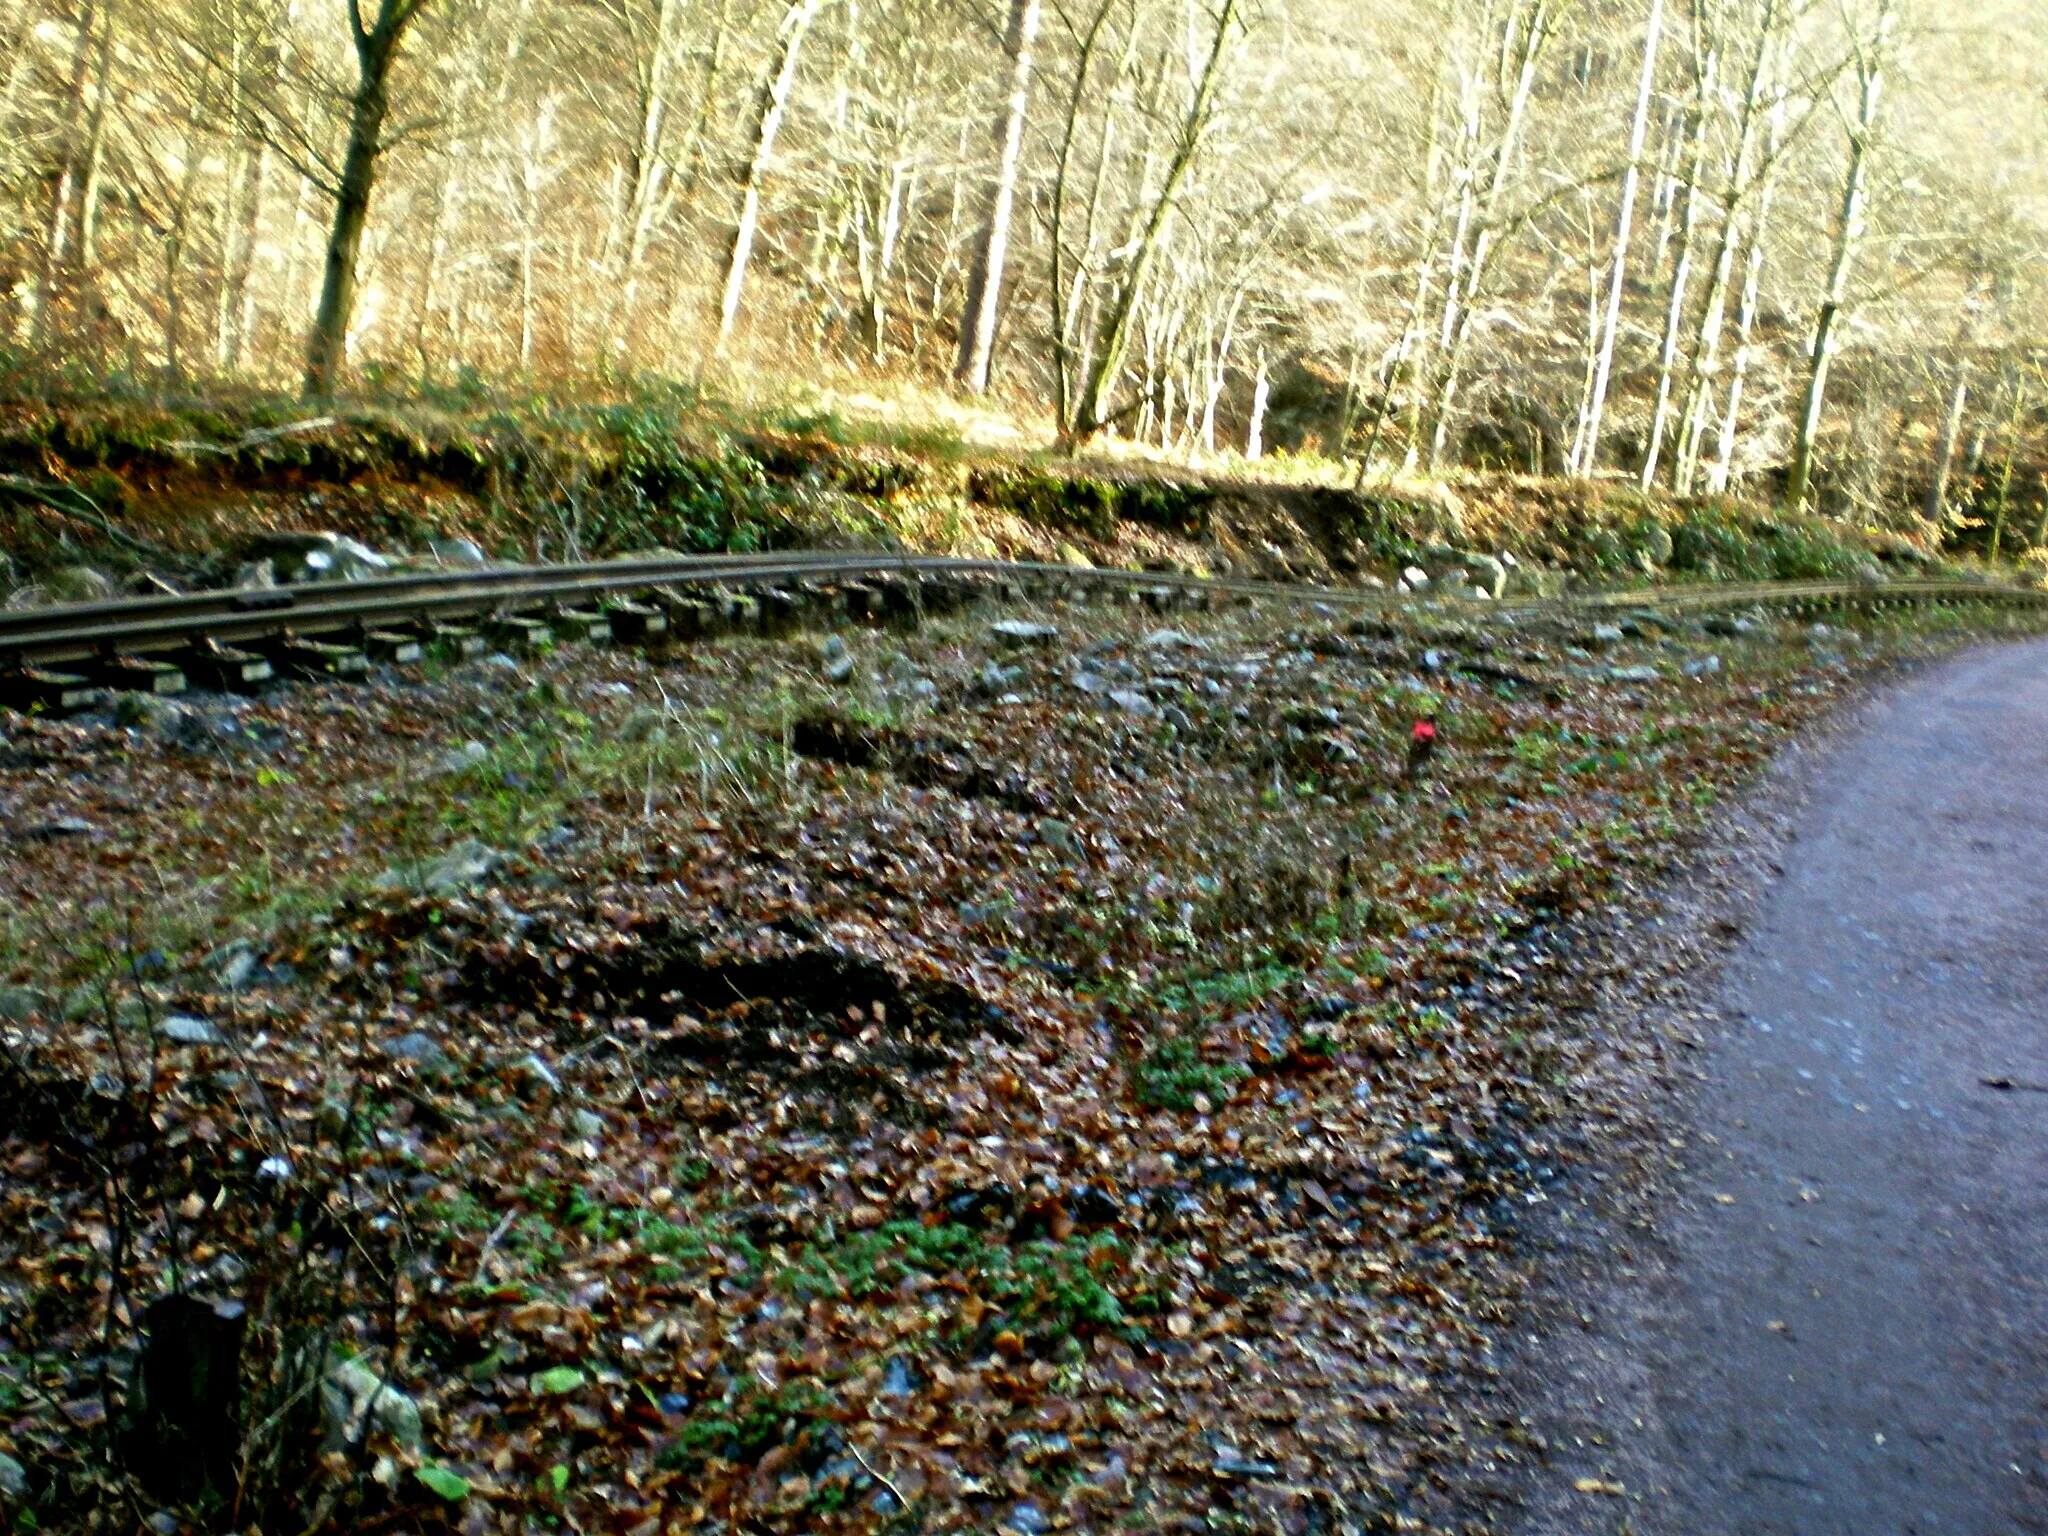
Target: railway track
60, 658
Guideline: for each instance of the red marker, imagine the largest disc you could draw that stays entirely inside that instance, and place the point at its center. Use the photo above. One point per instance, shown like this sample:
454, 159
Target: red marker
1421, 743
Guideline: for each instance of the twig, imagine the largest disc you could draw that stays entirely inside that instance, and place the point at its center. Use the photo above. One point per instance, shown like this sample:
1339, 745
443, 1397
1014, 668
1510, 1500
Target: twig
484, 1256
879, 1476
2013, 1085
253, 438
81, 508
626, 1061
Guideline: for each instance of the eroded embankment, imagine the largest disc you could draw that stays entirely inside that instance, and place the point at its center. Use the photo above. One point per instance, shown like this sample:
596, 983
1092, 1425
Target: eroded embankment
96, 497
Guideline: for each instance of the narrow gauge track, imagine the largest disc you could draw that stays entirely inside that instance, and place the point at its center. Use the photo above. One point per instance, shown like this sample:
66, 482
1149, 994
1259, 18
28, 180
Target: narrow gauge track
58, 657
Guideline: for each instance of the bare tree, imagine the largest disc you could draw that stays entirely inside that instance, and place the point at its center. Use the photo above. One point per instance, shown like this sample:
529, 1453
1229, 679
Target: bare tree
376, 50
992, 250
771, 103
1587, 450
1871, 57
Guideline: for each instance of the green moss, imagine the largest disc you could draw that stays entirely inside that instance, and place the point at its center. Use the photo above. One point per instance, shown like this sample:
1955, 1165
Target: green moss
1093, 505
1173, 1073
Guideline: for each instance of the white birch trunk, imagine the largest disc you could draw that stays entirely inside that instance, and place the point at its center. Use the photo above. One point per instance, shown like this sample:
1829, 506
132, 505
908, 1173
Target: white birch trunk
985, 276
1603, 367
773, 103
1848, 237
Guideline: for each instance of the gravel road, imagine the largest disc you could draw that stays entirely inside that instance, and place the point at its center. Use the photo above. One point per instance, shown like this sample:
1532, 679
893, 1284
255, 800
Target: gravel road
1838, 1322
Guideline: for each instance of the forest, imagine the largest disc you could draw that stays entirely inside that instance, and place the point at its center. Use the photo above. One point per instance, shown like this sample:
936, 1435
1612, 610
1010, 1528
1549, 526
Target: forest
1782, 247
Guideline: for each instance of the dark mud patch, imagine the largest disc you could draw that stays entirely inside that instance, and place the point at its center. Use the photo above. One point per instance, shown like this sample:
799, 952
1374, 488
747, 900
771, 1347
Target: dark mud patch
836, 1033
928, 762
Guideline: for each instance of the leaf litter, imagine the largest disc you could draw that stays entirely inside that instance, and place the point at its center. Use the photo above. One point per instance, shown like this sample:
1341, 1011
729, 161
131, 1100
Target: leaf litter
942, 1097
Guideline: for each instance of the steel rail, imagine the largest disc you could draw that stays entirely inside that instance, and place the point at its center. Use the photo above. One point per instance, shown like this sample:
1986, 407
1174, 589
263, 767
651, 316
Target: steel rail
146, 626
284, 600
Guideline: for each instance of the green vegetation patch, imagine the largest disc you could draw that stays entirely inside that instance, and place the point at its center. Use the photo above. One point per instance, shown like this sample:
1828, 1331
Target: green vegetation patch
1092, 504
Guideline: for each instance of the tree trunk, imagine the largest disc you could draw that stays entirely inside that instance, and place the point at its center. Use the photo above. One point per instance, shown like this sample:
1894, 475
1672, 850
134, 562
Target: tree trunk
1681, 274
174, 251
186, 1441
1746, 309
1848, 236
1262, 391
991, 251
376, 51
96, 148
1064, 290
1705, 362
242, 270
772, 104
1107, 367
646, 172
1462, 288
57, 233
1935, 507
1589, 453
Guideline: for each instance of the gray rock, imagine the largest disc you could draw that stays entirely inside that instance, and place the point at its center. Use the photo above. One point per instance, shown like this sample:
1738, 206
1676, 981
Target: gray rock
1603, 634
1091, 682
1178, 718
1023, 632
1727, 625
463, 865
1655, 545
60, 826
1415, 579
19, 1004
587, 1123
417, 1046
255, 575
1232, 1463
78, 584
835, 661
1488, 573
838, 662
456, 551
537, 1071
1027, 1519
233, 964
185, 1029
1132, 702
1056, 834
994, 679
13, 1477
1632, 674
319, 556
1702, 666
190, 727
645, 724
353, 1398
1172, 639
22, 599
465, 757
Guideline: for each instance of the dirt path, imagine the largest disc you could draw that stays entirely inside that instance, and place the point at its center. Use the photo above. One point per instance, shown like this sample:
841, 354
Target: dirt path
1840, 1324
